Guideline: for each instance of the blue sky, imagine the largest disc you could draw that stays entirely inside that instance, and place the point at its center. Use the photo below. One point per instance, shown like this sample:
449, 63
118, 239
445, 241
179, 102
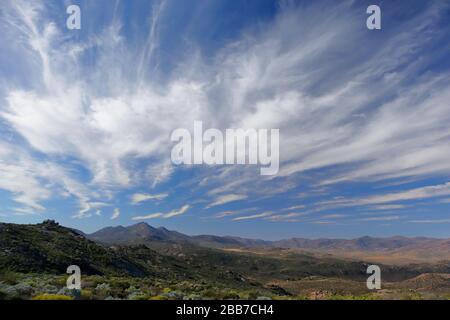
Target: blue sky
86, 115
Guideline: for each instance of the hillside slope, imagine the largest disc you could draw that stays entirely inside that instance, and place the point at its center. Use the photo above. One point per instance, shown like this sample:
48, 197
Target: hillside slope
49, 247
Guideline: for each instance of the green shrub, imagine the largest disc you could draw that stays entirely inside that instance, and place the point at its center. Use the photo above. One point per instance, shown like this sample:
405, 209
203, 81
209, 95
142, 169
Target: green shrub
52, 297
251, 295
228, 295
159, 297
413, 296
9, 277
86, 294
141, 297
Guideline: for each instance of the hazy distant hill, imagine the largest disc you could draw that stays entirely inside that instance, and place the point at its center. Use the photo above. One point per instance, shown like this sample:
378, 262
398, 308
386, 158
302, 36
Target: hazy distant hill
363, 243
417, 248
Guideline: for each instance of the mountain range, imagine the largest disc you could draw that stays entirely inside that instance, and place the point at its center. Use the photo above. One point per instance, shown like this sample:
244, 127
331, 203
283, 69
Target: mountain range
142, 233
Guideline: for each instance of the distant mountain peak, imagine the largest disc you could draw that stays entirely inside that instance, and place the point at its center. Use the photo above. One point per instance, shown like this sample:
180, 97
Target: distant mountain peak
141, 224
136, 233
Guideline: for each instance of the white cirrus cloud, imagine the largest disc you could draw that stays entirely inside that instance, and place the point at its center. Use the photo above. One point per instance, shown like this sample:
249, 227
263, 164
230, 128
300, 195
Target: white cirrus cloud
385, 218
430, 221
166, 215
322, 222
383, 201
227, 199
142, 197
289, 217
254, 216
115, 214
